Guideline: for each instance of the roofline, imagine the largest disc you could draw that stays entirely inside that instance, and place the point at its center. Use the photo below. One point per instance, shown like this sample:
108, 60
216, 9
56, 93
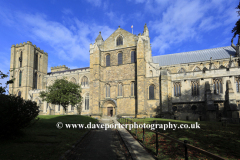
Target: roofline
68, 70
191, 51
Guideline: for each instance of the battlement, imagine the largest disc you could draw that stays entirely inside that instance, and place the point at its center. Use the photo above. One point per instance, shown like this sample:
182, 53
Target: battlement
59, 68
30, 43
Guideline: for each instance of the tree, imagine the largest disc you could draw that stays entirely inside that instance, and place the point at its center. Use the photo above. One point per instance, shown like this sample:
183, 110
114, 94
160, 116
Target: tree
2, 76
15, 113
236, 28
62, 93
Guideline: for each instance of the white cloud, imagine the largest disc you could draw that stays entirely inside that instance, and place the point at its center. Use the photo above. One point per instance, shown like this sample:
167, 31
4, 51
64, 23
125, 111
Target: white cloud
69, 42
96, 3
116, 19
186, 20
67, 11
209, 24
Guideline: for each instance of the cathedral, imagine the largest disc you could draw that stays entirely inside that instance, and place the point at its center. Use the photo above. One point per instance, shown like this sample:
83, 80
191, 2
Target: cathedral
124, 79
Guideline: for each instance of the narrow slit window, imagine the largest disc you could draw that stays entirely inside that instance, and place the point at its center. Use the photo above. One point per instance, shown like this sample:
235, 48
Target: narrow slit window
108, 60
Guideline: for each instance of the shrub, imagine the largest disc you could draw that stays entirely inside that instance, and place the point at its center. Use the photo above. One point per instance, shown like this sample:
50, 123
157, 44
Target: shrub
16, 114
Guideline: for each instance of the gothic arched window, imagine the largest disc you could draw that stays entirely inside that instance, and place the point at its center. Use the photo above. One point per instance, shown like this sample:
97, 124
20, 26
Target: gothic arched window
151, 92
120, 86
120, 61
108, 60
84, 81
217, 85
20, 78
73, 80
107, 91
72, 108
19, 94
133, 57
195, 88
177, 89
119, 40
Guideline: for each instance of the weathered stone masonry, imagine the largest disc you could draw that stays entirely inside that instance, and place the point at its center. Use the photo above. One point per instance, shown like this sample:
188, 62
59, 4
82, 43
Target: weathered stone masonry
190, 85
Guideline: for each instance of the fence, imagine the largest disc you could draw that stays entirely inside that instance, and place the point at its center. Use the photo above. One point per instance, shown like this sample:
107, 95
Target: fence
184, 143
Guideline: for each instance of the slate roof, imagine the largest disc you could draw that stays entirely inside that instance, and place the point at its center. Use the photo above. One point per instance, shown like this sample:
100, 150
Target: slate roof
195, 56
70, 70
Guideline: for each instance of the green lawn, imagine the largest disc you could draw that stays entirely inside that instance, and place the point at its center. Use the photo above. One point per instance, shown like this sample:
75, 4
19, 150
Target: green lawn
213, 137
44, 140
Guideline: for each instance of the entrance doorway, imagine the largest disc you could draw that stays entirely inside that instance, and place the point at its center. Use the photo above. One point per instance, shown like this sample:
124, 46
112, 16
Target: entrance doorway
110, 111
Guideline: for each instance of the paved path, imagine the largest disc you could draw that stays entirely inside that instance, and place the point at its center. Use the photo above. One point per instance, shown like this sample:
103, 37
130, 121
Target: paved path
136, 150
100, 144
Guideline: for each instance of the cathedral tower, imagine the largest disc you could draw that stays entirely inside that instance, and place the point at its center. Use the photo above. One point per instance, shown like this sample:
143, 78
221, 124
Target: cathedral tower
29, 65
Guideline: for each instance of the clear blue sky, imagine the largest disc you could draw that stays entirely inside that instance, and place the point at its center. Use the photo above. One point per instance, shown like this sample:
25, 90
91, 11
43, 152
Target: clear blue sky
65, 28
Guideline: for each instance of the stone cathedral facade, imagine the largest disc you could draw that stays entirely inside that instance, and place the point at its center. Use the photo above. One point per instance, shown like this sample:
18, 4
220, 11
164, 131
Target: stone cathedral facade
124, 79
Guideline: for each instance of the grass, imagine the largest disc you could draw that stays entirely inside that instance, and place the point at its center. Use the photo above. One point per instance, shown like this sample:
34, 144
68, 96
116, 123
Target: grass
43, 140
212, 137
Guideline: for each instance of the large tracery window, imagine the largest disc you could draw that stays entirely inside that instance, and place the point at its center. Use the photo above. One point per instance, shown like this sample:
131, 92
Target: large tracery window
217, 85
177, 89
108, 60
84, 81
107, 91
119, 40
120, 61
195, 88
151, 92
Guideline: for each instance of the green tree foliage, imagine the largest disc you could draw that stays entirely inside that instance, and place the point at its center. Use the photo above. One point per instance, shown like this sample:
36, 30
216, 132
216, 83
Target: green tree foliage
2, 89
15, 113
2, 76
62, 93
236, 29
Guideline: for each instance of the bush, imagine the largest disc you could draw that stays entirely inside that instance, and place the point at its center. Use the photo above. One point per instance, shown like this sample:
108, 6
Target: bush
16, 114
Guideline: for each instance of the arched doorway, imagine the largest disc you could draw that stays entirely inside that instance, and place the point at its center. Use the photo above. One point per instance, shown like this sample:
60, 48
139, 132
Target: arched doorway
109, 108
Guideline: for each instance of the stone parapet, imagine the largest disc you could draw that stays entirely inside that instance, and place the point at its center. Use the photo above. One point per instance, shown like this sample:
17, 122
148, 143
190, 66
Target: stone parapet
30, 43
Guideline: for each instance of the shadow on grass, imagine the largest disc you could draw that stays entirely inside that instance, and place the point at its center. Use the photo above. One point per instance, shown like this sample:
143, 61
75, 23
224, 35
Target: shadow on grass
212, 137
44, 140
